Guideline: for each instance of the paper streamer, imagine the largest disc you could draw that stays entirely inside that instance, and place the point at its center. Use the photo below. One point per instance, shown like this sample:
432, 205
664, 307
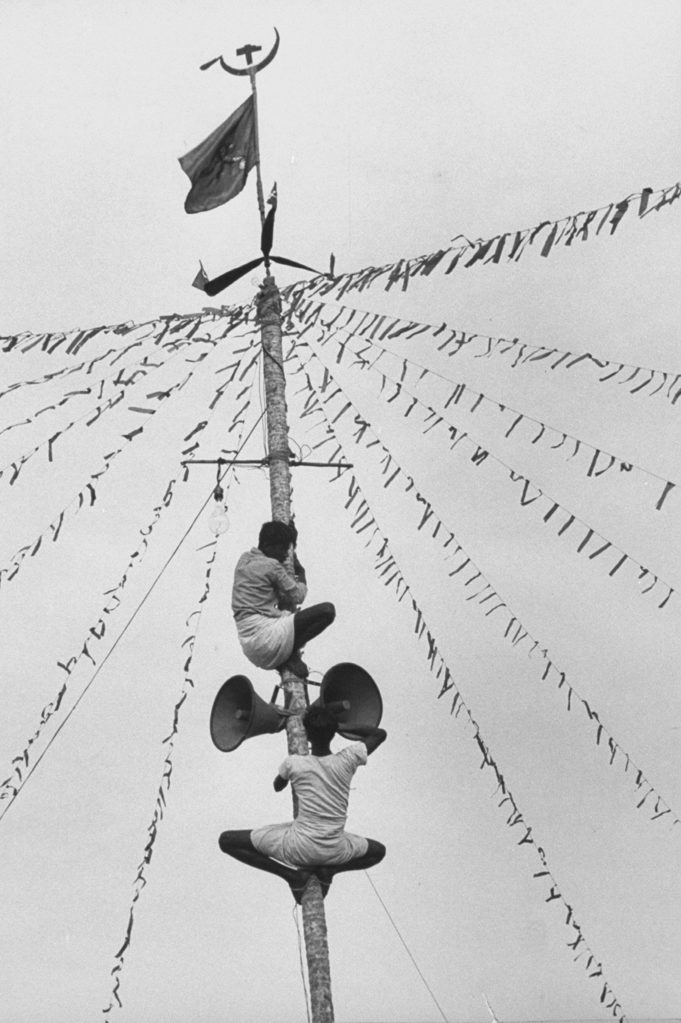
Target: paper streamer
450, 341
509, 246
385, 566
326, 399
97, 631
193, 623
140, 880
166, 328
589, 541
594, 461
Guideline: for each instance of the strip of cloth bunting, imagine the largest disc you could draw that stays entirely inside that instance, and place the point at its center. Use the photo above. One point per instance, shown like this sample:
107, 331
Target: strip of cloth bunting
594, 461
85, 497
140, 881
387, 569
167, 334
121, 373
86, 367
590, 541
451, 341
163, 327
326, 404
96, 632
193, 623
120, 383
87, 494
508, 246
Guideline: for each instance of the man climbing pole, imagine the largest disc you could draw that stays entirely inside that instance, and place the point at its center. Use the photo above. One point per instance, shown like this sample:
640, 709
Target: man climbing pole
315, 842
265, 598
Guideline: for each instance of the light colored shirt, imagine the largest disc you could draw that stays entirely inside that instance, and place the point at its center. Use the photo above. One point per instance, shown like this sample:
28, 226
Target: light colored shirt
317, 835
259, 584
322, 785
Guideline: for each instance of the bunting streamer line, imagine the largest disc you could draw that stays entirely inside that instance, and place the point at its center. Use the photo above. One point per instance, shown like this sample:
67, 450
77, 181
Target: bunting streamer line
590, 542
124, 375
95, 633
86, 497
87, 365
451, 342
164, 787
326, 399
121, 383
594, 461
508, 246
10, 787
388, 571
72, 342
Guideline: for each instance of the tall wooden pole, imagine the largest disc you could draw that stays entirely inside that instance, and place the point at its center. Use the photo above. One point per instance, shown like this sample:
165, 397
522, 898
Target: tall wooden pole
314, 920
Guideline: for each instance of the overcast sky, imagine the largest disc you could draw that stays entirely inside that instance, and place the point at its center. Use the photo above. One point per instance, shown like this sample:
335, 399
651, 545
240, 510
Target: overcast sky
390, 129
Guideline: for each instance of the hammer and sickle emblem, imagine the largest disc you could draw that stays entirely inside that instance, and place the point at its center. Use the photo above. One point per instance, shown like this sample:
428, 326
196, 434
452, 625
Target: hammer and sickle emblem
247, 52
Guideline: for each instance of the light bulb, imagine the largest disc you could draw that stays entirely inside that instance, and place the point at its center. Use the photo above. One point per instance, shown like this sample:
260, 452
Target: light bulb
218, 523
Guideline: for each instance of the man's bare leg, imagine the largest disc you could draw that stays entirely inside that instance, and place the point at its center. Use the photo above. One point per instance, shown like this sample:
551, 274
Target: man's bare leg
239, 846
371, 857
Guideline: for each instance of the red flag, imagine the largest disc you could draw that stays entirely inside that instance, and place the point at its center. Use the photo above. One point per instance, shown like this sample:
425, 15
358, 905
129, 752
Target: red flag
218, 166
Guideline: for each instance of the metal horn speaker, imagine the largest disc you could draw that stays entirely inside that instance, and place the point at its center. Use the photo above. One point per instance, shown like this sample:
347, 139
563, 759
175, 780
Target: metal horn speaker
238, 713
348, 683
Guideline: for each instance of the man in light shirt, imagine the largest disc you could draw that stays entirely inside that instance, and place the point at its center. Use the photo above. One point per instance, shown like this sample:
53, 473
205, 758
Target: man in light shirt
266, 598
316, 841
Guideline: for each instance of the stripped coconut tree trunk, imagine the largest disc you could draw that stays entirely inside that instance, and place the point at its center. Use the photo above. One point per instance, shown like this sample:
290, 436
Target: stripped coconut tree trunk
314, 919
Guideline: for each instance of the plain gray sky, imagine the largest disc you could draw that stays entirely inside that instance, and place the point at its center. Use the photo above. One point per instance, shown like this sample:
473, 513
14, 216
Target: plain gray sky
390, 128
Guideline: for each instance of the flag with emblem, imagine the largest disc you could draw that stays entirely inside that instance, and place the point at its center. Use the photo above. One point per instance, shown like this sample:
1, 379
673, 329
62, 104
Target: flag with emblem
218, 166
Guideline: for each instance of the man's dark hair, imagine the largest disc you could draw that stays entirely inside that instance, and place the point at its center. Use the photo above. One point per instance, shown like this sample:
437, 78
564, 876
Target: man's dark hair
320, 724
275, 539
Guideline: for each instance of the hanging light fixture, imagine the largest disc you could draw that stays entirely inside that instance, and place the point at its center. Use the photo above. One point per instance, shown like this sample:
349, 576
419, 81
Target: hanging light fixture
218, 523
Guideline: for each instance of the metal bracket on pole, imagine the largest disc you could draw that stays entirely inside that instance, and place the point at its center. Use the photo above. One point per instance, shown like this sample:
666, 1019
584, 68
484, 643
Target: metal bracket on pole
264, 462
306, 683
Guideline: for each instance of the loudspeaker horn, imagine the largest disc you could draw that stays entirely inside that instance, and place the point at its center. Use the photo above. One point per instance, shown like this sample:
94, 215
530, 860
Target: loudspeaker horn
238, 713
353, 688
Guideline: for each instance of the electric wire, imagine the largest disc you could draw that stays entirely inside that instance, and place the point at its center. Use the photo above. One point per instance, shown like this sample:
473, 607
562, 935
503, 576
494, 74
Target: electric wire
131, 619
263, 404
408, 950
302, 964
